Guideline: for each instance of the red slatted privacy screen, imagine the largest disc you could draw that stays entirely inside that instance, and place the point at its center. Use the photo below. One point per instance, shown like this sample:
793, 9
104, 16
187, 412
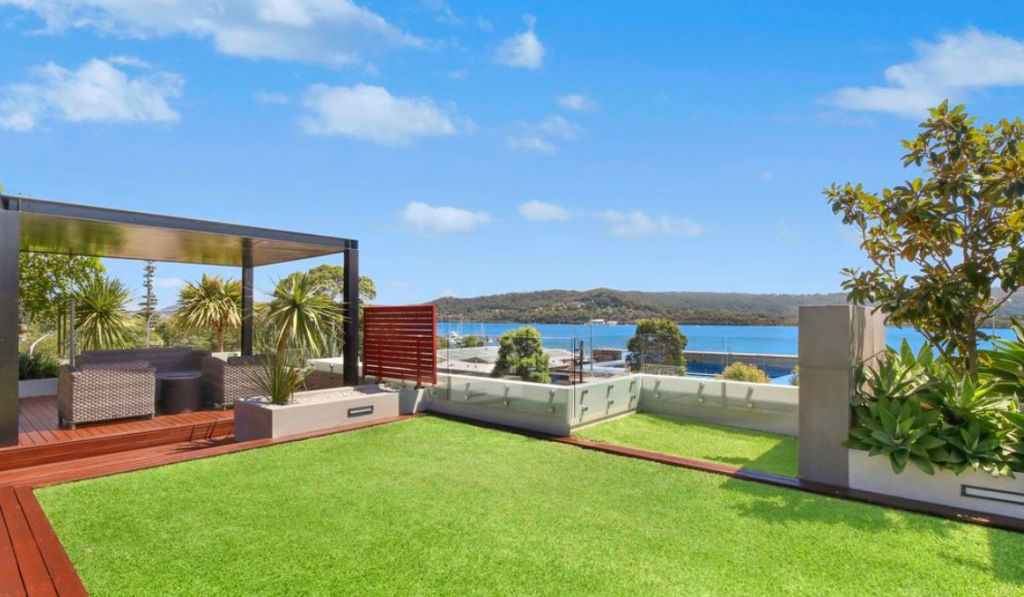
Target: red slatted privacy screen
401, 343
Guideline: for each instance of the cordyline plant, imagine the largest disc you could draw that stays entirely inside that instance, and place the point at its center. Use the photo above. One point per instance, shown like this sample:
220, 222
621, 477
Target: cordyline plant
940, 244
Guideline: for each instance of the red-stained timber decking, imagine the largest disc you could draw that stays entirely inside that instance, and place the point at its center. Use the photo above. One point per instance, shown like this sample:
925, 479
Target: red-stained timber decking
32, 560
41, 441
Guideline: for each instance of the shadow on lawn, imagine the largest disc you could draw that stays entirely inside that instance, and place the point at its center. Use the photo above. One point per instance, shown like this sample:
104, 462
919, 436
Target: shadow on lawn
781, 506
781, 459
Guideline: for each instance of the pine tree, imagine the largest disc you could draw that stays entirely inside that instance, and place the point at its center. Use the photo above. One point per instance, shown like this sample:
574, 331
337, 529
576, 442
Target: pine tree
148, 302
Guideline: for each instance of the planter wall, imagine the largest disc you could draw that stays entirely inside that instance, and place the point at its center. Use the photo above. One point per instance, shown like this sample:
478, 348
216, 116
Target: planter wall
757, 406
978, 491
31, 388
255, 419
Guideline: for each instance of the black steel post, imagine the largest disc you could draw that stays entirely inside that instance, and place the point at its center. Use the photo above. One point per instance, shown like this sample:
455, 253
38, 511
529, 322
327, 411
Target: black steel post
10, 247
247, 323
350, 327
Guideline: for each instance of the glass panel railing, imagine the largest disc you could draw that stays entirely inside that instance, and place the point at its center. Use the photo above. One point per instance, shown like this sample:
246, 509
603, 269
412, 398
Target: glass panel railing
503, 395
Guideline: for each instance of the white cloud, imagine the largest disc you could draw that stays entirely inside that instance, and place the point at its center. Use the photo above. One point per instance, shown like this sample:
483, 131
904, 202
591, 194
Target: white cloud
371, 113
460, 74
333, 32
578, 102
428, 219
636, 224
442, 12
172, 283
523, 50
96, 92
541, 136
952, 67
128, 61
529, 142
540, 211
271, 98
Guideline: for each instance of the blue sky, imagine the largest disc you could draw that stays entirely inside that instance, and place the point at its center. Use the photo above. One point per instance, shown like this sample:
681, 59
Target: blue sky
475, 148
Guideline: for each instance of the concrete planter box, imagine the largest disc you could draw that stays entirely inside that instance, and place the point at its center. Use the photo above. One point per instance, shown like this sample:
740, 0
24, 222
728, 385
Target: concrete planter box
412, 400
31, 388
972, 490
312, 411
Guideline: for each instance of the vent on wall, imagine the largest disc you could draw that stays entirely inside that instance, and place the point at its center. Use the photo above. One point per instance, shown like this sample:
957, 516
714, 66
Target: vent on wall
995, 495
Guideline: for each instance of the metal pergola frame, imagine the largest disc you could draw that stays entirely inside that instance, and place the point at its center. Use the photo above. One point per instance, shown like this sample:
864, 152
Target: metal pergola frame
64, 228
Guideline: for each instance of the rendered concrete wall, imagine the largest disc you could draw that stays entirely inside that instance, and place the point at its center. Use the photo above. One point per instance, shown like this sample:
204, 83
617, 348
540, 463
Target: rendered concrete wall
760, 407
972, 490
833, 342
31, 388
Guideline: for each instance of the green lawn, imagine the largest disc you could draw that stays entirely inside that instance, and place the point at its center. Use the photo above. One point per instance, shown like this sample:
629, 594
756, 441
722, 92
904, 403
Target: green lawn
428, 506
681, 437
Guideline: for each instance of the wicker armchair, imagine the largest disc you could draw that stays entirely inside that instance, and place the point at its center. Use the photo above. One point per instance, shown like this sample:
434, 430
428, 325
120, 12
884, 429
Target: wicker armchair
223, 382
105, 392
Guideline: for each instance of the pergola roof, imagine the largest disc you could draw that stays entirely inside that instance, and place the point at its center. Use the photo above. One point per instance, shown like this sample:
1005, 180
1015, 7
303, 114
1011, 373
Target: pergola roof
50, 227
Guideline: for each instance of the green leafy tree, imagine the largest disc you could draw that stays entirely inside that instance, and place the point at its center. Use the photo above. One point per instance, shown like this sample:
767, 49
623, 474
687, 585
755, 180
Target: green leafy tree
47, 282
301, 314
471, 341
330, 281
148, 302
212, 303
657, 342
521, 353
101, 314
740, 371
940, 244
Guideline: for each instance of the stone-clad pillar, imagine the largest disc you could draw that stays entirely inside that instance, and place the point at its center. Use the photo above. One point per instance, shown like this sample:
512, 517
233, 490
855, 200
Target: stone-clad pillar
833, 342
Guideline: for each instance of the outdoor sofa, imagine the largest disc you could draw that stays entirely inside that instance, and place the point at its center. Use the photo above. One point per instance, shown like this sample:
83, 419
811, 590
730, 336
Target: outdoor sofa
107, 391
223, 382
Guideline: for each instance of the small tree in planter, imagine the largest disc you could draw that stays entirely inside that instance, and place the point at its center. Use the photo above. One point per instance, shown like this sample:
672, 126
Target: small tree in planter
521, 353
278, 379
939, 245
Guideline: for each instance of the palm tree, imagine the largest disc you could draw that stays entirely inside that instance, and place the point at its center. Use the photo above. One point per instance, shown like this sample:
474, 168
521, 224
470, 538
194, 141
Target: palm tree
213, 302
301, 314
102, 320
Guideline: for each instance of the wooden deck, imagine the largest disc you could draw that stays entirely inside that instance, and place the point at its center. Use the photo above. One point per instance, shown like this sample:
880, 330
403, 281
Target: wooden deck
41, 441
32, 560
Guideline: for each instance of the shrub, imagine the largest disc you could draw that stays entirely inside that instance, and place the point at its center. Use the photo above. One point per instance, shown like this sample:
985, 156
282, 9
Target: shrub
278, 379
739, 371
922, 409
657, 342
37, 366
471, 341
521, 353
794, 376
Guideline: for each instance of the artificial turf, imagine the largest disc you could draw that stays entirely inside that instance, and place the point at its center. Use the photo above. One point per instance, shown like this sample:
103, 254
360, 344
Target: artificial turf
434, 507
752, 450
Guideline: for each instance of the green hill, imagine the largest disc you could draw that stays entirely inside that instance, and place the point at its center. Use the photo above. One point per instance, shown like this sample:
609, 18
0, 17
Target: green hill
626, 306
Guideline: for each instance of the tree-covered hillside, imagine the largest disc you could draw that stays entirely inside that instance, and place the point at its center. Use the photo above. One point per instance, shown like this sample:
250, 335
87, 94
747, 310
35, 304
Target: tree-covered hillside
573, 306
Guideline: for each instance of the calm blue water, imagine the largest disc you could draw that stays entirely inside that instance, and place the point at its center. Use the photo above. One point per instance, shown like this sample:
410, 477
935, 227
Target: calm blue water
724, 338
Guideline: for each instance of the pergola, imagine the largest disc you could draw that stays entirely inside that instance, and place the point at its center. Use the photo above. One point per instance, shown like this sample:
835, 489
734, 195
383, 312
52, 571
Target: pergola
64, 228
